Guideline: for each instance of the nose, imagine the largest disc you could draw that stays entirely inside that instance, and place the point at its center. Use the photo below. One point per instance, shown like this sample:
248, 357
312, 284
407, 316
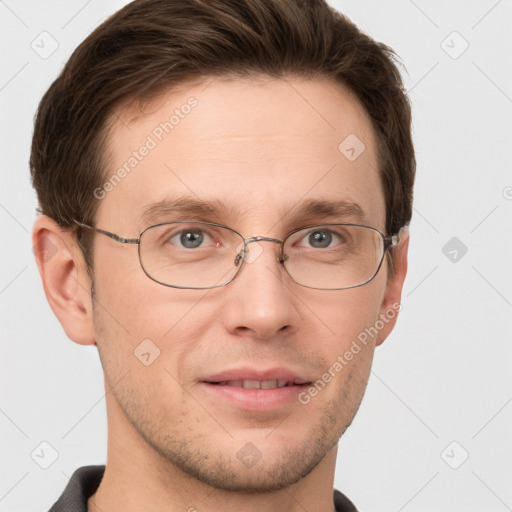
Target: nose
261, 301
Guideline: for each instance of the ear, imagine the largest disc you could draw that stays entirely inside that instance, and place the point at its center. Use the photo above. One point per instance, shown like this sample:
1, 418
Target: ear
391, 303
65, 280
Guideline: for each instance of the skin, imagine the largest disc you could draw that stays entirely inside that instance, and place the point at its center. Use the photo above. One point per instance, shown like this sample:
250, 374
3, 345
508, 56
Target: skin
260, 148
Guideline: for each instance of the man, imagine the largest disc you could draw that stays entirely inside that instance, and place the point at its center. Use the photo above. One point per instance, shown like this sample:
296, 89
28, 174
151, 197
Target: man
225, 189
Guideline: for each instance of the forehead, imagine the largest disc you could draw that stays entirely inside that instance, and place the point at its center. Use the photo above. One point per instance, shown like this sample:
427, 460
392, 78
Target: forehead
257, 149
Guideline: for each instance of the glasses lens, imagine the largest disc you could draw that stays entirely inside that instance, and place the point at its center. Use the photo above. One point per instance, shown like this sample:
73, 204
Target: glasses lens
190, 254
333, 256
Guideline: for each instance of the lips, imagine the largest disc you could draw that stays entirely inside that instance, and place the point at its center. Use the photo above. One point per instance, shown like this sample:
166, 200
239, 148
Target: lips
249, 378
255, 384
255, 391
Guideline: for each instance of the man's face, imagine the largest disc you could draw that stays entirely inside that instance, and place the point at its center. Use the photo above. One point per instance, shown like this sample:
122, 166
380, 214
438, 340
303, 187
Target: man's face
259, 149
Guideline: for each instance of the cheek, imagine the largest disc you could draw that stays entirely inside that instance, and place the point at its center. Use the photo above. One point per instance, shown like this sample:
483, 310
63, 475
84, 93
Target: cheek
141, 306
142, 369
347, 314
147, 331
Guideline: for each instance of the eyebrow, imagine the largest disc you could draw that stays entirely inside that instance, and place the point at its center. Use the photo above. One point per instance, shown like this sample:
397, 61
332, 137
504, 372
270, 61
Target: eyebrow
311, 210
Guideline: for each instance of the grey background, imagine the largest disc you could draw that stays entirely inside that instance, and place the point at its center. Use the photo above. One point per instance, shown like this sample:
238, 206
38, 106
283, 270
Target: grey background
444, 374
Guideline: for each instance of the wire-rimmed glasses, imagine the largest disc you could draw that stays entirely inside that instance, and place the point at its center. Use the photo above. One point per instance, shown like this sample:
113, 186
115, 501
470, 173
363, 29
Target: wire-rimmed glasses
203, 255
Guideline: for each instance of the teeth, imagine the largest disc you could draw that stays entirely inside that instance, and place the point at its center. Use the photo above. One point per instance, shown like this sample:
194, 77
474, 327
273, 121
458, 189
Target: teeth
252, 384
255, 384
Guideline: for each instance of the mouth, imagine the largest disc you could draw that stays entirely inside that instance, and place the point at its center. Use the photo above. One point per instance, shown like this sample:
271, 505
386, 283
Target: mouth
257, 384
256, 391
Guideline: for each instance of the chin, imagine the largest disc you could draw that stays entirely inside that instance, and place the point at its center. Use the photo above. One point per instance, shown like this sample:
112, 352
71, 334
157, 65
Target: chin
243, 466
263, 476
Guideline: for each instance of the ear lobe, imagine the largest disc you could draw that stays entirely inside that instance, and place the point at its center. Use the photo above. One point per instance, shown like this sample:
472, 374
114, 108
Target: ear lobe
65, 280
391, 303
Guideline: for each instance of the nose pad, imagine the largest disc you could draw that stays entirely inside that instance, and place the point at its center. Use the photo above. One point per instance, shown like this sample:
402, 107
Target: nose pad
242, 252
239, 257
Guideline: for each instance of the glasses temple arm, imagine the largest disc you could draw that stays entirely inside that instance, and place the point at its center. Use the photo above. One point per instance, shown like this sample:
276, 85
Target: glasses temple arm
115, 237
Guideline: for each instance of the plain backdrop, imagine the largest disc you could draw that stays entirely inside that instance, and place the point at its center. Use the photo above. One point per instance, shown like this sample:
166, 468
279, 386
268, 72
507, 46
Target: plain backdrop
433, 432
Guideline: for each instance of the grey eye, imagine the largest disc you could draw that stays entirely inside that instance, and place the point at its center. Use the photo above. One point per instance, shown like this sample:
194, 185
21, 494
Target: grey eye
191, 239
320, 239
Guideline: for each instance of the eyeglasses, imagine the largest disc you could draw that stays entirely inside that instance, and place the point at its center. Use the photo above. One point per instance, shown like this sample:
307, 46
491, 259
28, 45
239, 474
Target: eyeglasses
202, 255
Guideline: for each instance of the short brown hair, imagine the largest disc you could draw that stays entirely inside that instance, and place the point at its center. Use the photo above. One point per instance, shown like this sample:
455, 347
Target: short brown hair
152, 45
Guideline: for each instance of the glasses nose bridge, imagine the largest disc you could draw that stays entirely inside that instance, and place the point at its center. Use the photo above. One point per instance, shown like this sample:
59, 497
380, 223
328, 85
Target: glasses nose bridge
253, 239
